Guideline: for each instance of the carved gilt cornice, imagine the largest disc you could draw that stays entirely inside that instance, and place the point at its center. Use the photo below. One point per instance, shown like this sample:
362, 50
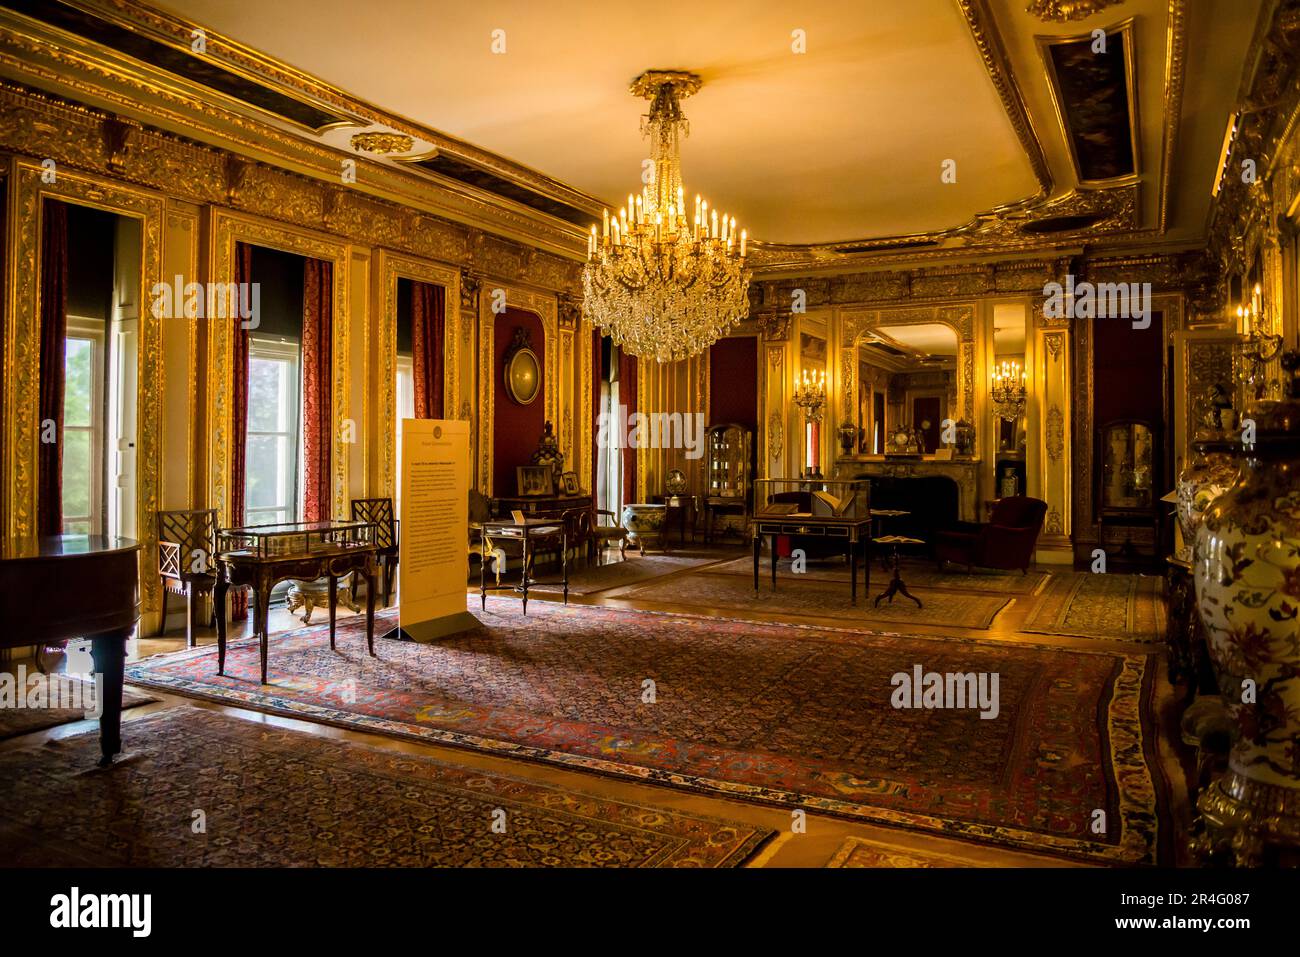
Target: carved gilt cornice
45, 127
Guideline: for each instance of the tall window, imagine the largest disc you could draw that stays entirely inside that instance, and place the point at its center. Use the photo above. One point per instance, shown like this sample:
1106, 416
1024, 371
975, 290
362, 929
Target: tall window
83, 436
272, 460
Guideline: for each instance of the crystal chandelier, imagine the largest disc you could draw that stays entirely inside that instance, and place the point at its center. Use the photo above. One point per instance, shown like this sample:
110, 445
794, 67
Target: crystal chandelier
662, 283
1008, 392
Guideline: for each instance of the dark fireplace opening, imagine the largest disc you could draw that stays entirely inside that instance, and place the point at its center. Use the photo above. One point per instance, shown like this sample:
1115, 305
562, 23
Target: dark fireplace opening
933, 500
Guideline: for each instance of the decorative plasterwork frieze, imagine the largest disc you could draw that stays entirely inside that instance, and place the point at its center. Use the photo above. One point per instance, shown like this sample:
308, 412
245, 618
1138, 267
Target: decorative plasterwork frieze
1063, 11
75, 136
1026, 277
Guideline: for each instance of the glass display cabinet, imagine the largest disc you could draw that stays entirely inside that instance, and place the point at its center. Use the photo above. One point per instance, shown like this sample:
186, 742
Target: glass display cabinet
1130, 464
729, 464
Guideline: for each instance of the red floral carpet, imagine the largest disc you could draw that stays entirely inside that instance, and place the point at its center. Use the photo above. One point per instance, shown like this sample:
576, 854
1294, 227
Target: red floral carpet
272, 797
780, 714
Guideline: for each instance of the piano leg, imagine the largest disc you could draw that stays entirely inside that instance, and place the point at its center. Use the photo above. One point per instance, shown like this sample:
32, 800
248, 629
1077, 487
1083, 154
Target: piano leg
219, 610
108, 650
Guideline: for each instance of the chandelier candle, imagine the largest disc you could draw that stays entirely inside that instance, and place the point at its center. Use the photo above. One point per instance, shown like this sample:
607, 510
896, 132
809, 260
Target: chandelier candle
659, 284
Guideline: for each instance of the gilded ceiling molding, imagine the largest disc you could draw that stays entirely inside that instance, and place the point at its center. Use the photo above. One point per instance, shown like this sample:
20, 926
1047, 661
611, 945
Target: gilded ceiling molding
177, 31
85, 71
382, 143
988, 41
1063, 11
1183, 271
74, 136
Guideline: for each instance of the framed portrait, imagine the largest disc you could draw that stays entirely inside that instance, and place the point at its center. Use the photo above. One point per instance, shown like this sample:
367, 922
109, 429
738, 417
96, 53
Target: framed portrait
535, 480
569, 483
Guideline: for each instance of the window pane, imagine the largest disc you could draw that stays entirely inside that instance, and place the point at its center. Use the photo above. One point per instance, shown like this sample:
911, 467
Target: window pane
265, 467
78, 376
77, 477
267, 390
76, 528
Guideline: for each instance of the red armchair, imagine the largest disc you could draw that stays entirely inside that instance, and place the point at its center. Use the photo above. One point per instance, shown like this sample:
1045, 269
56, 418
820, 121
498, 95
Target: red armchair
1006, 541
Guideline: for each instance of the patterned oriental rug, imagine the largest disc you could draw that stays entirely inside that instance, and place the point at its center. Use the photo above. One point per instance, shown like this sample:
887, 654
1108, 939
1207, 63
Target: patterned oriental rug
1115, 607
590, 579
918, 574
780, 714
19, 721
801, 595
273, 797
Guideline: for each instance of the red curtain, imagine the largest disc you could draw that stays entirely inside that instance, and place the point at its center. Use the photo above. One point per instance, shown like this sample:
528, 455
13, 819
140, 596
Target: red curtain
54, 337
239, 411
428, 321
595, 408
317, 380
627, 396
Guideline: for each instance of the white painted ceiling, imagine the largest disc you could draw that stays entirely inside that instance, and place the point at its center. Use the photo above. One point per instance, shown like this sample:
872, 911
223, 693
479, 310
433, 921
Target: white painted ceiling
843, 142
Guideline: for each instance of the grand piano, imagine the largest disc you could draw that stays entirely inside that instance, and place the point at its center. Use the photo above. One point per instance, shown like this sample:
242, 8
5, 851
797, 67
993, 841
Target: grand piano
62, 587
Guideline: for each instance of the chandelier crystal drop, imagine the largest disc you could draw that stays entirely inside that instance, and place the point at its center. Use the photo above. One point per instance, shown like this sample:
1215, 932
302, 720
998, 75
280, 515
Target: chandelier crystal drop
664, 281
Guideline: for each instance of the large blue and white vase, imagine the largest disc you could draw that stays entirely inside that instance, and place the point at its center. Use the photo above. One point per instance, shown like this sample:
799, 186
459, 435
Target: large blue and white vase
644, 524
1247, 576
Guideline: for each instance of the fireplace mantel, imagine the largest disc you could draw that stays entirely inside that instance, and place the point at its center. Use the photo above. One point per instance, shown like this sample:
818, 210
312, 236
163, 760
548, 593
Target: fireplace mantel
964, 472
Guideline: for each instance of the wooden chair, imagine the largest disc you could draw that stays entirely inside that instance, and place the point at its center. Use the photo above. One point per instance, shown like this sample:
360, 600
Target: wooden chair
602, 535
380, 512
578, 529
187, 542
480, 511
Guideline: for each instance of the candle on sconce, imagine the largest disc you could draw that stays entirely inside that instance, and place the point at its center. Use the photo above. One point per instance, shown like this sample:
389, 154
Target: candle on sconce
742, 243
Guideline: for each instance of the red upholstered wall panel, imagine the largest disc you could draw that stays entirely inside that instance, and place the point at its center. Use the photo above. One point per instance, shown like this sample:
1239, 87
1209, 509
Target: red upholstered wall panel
733, 382
515, 428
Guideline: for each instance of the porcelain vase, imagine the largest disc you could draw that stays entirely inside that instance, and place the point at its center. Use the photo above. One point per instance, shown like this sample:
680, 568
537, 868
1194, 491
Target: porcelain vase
1208, 474
1246, 567
644, 524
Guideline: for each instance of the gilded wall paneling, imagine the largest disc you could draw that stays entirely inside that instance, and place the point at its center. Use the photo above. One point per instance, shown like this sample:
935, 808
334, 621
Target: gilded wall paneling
362, 386
21, 351
181, 425
389, 267
228, 228
1052, 399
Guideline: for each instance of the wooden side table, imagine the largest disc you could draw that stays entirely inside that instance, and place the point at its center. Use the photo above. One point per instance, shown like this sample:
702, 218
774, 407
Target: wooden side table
527, 533
896, 584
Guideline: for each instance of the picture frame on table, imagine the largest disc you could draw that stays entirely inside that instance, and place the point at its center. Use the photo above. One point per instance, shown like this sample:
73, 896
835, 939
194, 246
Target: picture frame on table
535, 480
569, 483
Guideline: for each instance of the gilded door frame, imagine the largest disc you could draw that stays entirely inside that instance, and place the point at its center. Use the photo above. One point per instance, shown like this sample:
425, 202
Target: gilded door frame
391, 266
546, 307
21, 373
226, 229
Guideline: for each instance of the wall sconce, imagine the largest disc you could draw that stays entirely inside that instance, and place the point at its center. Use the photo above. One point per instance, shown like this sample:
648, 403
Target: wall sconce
1255, 356
810, 394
